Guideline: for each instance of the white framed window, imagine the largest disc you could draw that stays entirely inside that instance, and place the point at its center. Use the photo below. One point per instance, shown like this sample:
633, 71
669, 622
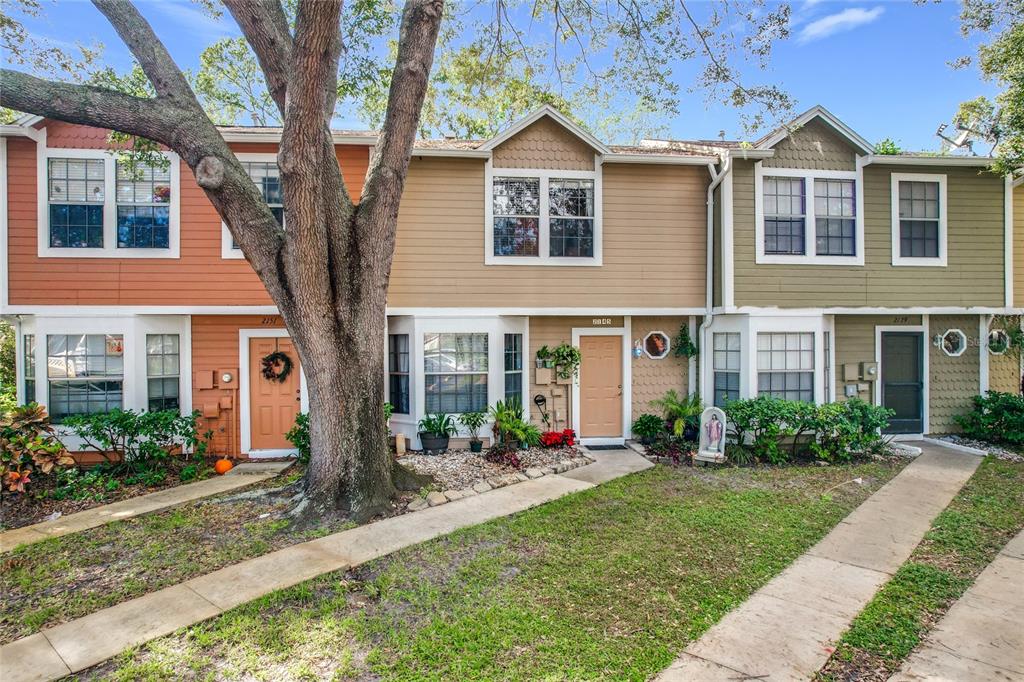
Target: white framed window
542, 217
726, 367
398, 373
85, 373
514, 368
28, 364
785, 365
919, 236
455, 372
808, 217
163, 371
266, 175
92, 206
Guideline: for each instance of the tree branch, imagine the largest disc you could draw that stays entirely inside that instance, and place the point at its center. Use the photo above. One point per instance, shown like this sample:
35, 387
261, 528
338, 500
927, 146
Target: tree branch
265, 27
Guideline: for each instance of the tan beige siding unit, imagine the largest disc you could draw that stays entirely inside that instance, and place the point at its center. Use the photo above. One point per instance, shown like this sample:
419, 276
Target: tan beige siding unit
655, 241
544, 144
952, 381
816, 146
973, 277
855, 343
653, 378
1018, 246
1004, 373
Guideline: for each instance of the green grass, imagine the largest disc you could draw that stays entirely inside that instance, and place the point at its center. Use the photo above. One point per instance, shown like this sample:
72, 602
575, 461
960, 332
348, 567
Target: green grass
68, 577
964, 538
610, 583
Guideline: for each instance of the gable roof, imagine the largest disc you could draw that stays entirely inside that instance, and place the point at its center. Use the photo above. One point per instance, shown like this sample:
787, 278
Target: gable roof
820, 113
552, 113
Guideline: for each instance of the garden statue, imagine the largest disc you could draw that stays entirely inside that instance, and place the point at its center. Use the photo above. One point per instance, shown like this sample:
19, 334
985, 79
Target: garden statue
712, 436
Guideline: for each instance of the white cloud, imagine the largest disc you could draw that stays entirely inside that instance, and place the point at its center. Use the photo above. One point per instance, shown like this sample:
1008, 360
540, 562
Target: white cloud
188, 15
839, 22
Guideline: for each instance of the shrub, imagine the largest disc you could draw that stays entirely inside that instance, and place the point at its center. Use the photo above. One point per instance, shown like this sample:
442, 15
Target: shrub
504, 454
996, 418
682, 414
760, 423
558, 439
473, 421
298, 436
27, 446
673, 447
144, 440
77, 484
503, 413
648, 426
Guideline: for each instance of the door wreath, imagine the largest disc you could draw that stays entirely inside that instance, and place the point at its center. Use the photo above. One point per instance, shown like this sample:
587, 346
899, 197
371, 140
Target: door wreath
277, 366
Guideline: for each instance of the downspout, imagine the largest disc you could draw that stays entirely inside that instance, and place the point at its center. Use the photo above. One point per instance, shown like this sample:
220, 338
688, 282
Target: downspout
709, 285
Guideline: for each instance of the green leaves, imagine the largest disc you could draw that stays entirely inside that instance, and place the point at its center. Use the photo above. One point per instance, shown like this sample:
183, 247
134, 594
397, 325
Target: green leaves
996, 418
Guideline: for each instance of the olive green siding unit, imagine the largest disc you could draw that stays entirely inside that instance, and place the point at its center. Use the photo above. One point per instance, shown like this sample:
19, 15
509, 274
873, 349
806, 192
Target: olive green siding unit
814, 146
855, 343
973, 276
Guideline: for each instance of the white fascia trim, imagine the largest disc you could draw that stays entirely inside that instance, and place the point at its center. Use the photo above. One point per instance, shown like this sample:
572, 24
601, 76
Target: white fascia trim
463, 153
19, 131
1008, 240
925, 370
27, 120
876, 310
624, 332
749, 154
983, 353
544, 220
109, 248
245, 418
536, 115
226, 250
660, 159
955, 161
821, 112
894, 200
810, 222
275, 136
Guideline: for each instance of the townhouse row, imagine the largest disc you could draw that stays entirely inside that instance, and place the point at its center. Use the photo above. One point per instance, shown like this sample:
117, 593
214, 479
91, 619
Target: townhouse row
803, 265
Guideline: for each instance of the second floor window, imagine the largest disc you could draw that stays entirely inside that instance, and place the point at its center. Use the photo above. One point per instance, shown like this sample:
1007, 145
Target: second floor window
919, 219
516, 216
571, 208
835, 214
267, 177
143, 206
76, 192
784, 209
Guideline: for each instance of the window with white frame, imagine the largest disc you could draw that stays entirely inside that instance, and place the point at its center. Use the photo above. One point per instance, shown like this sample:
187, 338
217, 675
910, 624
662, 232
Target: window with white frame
29, 366
514, 367
726, 365
163, 369
85, 373
143, 194
919, 219
835, 211
76, 192
398, 372
266, 175
543, 217
784, 215
455, 372
785, 365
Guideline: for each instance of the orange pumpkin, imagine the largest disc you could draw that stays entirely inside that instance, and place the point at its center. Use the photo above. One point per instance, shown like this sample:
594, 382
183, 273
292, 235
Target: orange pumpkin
223, 466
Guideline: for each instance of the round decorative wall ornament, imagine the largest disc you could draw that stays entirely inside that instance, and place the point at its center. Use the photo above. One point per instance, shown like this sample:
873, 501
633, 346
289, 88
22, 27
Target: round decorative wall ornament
276, 366
954, 343
656, 345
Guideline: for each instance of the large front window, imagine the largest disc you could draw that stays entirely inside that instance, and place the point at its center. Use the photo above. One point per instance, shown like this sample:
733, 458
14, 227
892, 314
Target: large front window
143, 206
163, 367
785, 365
455, 372
85, 373
76, 193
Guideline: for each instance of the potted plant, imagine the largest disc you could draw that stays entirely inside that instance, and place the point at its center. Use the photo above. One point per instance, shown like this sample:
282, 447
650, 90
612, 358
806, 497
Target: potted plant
647, 427
473, 421
567, 361
435, 430
682, 415
544, 357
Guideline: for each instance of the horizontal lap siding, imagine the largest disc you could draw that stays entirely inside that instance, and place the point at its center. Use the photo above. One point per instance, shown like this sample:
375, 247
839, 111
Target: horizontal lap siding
974, 276
855, 343
654, 243
199, 277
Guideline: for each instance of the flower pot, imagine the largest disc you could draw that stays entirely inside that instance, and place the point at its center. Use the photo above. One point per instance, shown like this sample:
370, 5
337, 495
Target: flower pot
476, 446
550, 364
433, 442
524, 446
540, 362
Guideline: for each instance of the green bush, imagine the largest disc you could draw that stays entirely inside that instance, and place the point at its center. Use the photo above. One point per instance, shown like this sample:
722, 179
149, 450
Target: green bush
996, 418
298, 436
648, 426
28, 447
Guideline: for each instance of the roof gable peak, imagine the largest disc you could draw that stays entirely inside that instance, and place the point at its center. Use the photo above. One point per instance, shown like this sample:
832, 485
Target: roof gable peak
545, 111
817, 112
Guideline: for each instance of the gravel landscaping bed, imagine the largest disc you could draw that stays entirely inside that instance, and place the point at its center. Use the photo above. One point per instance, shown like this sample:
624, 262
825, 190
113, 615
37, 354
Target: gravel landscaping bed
461, 473
994, 450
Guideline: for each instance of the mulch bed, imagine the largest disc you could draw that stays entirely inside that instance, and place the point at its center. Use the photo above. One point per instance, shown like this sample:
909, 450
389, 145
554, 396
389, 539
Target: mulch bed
35, 505
460, 469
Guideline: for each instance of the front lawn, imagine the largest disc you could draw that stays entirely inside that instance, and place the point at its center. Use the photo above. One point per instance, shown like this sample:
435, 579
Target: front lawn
610, 583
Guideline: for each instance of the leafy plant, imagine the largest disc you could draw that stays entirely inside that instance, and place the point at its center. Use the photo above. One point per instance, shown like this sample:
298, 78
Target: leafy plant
996, 418
672, 447
558, 439
78, 484
389, 410
438, 424
567, 359
503, 413
298, 436
648, 426
504, 454
28, 445
521, 431
887, 147
683, 345
473, 421
760, 423
680, 412
544, 355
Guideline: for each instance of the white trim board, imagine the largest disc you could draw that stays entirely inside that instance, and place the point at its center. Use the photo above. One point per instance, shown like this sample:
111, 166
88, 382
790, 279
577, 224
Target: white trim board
925, 369
943, 232
625, 332
245, 416
1008, 240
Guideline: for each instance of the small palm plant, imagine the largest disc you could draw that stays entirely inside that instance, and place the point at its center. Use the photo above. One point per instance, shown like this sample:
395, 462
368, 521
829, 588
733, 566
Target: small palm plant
473, 421
682, 413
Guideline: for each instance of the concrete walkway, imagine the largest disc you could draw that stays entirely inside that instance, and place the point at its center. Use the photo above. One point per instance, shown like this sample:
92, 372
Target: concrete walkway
786, 630
981, 637
82, 643
242, 475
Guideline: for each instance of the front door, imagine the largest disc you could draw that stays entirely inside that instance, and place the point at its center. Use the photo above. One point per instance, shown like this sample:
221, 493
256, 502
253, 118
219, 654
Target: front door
902, 380
273, 404
601, 387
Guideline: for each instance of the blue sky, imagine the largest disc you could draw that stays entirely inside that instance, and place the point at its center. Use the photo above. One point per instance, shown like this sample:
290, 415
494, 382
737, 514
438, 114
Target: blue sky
879, 66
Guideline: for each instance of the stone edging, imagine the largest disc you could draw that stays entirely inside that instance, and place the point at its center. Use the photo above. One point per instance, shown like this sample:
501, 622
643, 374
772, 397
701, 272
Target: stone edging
436, 498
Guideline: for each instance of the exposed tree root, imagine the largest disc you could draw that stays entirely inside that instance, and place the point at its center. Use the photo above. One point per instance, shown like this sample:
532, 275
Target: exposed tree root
260, 494
406, 480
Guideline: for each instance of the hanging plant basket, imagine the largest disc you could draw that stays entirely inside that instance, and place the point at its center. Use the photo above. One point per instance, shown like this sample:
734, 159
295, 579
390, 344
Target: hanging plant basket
277, 366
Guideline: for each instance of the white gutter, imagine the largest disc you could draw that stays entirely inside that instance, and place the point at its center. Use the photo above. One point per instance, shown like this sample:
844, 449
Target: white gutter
659, 158
929, 160
709, 284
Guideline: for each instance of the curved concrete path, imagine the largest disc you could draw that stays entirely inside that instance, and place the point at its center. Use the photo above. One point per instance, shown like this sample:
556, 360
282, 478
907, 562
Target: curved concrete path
786, 630
72, 647
239, 477
981, 637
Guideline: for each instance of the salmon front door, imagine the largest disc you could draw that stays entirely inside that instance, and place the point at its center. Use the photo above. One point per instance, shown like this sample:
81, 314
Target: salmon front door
273, 404
601, 387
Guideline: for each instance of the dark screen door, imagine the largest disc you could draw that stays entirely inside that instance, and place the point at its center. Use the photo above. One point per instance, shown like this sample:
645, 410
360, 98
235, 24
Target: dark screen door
902, 377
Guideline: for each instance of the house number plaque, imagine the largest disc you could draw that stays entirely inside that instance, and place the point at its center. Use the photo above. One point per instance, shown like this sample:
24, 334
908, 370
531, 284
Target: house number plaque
602, 322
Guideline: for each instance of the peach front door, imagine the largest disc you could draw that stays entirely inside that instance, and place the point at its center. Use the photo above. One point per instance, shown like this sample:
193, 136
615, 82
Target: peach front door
273, 404
601, 387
